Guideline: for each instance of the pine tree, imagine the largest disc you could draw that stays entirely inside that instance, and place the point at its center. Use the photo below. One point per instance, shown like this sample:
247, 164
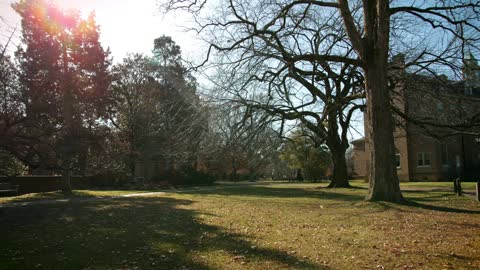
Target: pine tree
64, 72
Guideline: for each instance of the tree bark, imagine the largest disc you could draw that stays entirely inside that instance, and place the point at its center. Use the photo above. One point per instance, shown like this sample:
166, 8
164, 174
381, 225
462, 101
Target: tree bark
68, 126
384, 184
299, 175
338, 145
131, 166
340, 172
383, 180
233, 174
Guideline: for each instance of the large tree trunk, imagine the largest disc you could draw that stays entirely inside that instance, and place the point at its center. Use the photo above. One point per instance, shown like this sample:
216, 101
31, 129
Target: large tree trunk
82, 163
131, 166
383, 179
338, 145
384, 184
67, 128
66, 178
340, 172
233, 174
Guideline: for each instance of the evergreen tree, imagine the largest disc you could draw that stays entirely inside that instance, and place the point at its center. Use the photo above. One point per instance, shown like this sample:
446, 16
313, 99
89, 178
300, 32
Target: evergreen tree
64, 74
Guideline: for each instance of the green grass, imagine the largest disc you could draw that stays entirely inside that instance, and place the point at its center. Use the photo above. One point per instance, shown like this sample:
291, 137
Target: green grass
279, 226
422, 185
465, 185
57, 195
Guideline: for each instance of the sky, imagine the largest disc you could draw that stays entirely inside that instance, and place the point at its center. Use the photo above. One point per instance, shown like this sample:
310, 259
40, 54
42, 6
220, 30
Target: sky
125, 25
129, 26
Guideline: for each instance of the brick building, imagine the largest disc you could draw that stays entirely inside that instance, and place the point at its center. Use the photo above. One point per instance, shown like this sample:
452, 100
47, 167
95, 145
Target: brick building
426, 149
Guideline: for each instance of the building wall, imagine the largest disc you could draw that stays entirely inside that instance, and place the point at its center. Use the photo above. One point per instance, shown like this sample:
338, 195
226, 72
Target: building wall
421, 144
445, 165
428, 99
359, 160
401, 147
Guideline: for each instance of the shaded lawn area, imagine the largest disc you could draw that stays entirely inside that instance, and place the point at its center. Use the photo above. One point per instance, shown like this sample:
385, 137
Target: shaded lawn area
281, 226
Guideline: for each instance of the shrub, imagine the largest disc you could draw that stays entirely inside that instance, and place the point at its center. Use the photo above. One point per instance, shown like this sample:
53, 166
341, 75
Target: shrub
192, 177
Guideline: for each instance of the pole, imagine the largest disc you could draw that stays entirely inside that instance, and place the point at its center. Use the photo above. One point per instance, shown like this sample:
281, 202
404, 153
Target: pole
462, 177
478, 190
67, 124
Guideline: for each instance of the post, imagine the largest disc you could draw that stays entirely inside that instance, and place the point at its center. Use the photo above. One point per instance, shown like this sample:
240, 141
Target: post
455, 188
459, 187
478, 190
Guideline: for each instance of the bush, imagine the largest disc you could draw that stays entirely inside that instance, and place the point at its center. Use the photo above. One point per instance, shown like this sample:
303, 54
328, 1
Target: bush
192, 177
109, 179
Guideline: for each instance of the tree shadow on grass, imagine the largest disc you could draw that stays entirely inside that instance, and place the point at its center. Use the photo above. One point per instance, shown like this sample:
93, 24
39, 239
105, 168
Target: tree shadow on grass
427, 196
420, 203
414, 203
346, 188
262, 191
345, 195
140, 233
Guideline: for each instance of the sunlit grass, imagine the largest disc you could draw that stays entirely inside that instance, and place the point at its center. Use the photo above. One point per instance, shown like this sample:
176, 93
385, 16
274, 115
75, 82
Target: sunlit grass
432, 185
465, 185
58, 195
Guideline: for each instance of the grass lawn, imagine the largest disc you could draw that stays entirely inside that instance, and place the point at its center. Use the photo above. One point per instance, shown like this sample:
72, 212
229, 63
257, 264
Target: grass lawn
277, 226
422, 185
57, 195
465, 185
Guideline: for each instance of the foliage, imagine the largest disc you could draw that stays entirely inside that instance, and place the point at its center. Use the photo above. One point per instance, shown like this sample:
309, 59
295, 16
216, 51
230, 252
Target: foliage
189, 176
21, 139
10, 95
301, 153
156, 107
64, 78
11, 166
107, 159
136, 96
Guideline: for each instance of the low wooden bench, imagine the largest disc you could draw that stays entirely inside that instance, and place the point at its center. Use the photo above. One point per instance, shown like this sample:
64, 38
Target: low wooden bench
7, 189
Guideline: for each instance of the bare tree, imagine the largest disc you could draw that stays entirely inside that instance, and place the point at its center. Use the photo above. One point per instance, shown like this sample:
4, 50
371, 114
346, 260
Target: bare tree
278, 72
246, 142
368, 26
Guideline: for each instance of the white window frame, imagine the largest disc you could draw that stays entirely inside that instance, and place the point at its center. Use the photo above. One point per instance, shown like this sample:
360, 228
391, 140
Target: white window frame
399, 160
469, 91
443, 157
421, 156
440, 107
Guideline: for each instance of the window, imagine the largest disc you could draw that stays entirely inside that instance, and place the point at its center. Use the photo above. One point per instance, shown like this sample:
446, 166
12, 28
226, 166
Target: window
469, 91
440, 107
423, 159
444, 154
397, 160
